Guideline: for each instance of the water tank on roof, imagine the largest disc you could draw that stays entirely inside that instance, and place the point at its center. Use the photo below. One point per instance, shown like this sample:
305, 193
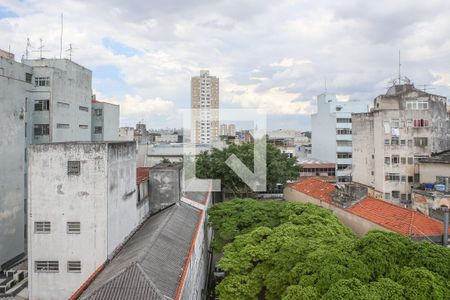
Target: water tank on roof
428, 186
439, 187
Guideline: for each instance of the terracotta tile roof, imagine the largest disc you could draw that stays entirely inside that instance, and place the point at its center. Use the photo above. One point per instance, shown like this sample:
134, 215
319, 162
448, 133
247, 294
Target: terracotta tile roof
391, 216
397, 218
314, 188
142, 174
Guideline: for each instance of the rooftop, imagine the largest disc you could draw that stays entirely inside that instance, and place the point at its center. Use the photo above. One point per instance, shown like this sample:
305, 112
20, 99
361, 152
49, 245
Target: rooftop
151, 263
315, 188
440, 157
142, 174
396, 218
388, 215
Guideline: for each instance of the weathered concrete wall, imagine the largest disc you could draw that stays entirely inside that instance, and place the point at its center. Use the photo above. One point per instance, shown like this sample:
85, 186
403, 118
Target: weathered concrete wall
12, 152
429, 171
123, 211
358, 225
363, 149
165, 186
57, 197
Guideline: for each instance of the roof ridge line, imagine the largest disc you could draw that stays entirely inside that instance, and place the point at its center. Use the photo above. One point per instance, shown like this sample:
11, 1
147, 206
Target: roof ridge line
150, 282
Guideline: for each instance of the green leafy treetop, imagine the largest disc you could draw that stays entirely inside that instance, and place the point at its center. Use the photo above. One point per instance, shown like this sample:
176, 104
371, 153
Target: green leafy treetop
284, 250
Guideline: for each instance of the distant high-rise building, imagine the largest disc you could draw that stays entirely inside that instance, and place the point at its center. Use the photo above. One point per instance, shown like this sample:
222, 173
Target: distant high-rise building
223, 129
231, 130
204, 105
332, 133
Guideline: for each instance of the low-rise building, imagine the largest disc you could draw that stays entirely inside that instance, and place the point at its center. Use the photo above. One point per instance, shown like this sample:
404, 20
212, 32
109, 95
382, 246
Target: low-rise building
361, 213
105, 121
433, 191
310, 167
84, 201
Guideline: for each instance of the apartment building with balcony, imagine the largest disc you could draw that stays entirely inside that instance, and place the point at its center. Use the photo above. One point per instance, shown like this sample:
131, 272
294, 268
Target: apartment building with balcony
332, 133
405, 126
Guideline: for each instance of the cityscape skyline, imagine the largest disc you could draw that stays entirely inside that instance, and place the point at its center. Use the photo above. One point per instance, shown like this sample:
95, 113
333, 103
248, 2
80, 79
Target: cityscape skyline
145, 64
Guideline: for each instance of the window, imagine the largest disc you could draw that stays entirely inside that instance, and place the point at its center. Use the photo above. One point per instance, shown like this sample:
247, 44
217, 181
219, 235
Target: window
421, 123
42, 227
41, 129
98, 112
63, 104
420, 142
344, 155
417, 104
394, 140
98, 129
73, 167
62, 126
42, 81
410, 160
387, 196
344, 131
392, 177
409, 123
410, 179
403, 179
403, 142
46, 266
409, 143
41, 105
344, 120
395, 123
83, 108
28, 77
343, 166
395, 194
73, 227
395, 159
386, 142
387, 160
403, 160
74, 266
403, 197
83, 126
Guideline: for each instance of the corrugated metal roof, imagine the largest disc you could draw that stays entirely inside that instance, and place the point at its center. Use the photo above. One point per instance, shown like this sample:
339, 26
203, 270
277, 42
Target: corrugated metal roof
157, 253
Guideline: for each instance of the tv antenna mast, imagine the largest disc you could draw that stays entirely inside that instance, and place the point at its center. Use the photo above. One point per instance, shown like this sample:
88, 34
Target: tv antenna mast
70, 50
41, 48
399, 68
425, 87
61, 37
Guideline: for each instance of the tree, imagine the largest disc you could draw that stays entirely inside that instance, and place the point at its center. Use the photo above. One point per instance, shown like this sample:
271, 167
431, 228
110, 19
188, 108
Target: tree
211, 165
288, 250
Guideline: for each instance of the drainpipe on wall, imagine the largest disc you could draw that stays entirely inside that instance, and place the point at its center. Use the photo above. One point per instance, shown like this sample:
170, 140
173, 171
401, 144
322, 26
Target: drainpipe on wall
445, 237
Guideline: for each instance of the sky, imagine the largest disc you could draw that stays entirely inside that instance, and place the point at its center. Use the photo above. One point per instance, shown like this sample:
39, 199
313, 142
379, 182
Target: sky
270, 55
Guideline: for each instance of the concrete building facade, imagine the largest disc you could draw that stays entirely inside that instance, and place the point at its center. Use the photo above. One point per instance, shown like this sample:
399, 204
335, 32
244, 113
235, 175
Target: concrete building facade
405, 126
332, 133
83, 204
204, 106
105, 121
15, 81
59, 102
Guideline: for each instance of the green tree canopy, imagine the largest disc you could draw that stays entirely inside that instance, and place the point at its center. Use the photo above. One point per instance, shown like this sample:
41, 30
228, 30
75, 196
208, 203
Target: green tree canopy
211, 165
302, 251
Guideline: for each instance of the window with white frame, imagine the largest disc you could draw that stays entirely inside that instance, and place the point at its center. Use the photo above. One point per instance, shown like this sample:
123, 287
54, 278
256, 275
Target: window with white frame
41, 105
42, 81
46, 266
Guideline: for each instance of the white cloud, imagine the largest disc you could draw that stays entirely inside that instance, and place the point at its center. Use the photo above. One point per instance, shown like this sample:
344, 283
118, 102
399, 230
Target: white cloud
290, 62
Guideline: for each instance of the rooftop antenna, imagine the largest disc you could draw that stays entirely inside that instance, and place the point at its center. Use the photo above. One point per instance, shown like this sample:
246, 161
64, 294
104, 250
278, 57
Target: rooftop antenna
27, 51
326, 84
425, 87
41, 48
70, 50
61, 37
399, 68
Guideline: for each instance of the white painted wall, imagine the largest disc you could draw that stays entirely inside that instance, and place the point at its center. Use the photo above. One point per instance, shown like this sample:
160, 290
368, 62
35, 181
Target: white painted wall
109, 121
12, 145
103, 198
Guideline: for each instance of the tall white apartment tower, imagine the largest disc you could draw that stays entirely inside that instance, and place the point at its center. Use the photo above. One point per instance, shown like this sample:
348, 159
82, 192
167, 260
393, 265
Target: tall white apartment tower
332, 133
205, 108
